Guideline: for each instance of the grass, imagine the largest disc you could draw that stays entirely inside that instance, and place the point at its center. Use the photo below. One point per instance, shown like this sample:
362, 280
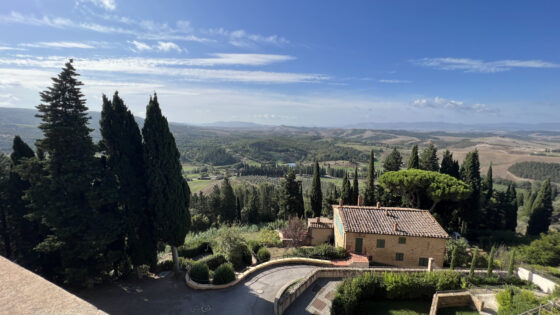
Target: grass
198, 185
388, 307
457, 311
277, 252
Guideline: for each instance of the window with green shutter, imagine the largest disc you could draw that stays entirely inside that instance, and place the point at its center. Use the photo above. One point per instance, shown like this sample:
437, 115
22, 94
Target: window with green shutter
399, 257
380, 243
423, 262
402, 240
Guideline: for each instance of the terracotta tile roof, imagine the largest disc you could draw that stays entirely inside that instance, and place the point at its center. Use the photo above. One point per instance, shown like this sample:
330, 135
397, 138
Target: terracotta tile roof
23, 292
322, 223
390, 221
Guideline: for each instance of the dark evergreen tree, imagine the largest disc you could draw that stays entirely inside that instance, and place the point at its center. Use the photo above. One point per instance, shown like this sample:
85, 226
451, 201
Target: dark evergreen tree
252, 206
168, 192
413, 160
511, 214
6, 231
237, 209
487, 187
316, 196
214, 206
448, 165
539, 221
369, 192
428, 159
355, 188
470, 174
122, 144
346, 192
290, 197
393, 161
227, 202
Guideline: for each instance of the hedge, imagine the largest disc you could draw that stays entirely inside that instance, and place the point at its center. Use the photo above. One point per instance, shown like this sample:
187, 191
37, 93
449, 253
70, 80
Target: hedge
224, 274
213, 261
263, 255
240, 256
194, 250
254, 246
199, 272
323, 251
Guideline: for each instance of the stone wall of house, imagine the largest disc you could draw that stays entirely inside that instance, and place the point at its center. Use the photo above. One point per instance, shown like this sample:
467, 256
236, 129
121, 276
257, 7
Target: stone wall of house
546, 285
320, 235
413, 249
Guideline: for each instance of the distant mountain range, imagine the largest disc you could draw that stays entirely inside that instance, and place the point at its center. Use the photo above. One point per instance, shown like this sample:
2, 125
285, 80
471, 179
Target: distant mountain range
442, 126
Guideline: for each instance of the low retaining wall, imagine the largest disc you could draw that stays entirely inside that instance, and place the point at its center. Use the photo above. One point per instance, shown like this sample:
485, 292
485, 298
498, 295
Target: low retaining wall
284, 261
546, 285
455, 299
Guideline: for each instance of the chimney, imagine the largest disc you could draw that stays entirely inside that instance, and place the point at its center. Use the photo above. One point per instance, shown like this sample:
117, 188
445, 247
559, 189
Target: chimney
396, 226
386, 211
318, 219
340, 204
378, 205
360, 201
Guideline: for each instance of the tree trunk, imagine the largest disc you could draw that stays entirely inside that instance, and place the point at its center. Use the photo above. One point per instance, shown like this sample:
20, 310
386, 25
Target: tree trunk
175, 254
5, 234
433, 207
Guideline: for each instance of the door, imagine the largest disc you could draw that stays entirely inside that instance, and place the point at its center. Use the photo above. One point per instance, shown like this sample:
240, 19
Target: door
359, 244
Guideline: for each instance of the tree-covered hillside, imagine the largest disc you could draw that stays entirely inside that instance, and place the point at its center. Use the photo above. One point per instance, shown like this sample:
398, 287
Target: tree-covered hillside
536, 170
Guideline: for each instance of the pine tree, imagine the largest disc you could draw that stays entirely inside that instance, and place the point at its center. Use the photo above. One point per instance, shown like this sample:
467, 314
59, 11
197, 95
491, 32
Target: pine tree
413, 161
488, 187
316, 193
393, 161
539, 221
227, 202
355, 188
511, 214
346, 193
168, 192
470, 174
369, 192
6, 232
290, 197
448, 165
122, 144
428, 159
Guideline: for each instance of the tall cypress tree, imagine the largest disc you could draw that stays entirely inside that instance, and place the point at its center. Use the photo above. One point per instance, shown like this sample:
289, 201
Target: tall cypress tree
122, 144
413, 160
470, 174
355, 187
488, 187
316, 193
511, 214
428, 159
168, 192
227, 202
448, 165
393, 161
5, 230
290, 204
346, 192
369, 192
539, 221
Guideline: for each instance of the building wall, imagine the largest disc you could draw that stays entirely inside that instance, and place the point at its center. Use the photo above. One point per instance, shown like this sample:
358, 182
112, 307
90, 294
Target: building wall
320, 236
339, 237
413, 249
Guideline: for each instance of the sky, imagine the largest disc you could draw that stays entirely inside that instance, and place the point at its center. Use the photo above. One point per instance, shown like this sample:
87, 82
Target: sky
299, 63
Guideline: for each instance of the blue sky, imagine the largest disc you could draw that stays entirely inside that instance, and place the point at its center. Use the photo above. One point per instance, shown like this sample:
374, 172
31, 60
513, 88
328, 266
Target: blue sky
305, 63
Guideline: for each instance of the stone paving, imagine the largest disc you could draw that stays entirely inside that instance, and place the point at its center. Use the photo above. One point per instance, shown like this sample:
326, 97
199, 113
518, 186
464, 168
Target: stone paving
317, 299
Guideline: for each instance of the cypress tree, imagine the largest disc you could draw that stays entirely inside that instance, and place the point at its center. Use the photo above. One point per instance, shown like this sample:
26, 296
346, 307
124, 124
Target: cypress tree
448, 165
346, 193
488, 186
539, 221
122, 144
473, 263
393, 161
413, 161
453, 258
5, 231
470, 174
491, 261
355, 188
290, 197
511, 214
428, 159
511, 263
237, 209
227, 202
316, 193
369, 193
168, 192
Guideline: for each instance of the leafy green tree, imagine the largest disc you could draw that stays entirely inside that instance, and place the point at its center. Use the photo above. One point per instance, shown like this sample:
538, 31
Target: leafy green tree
393, 161
355, 192
290, 197
122, 145
369, 192
346, 192
448, 165
428, 159
316, 193
168, 192
540, 218
227, 202
413, 183
413, 160
470, 174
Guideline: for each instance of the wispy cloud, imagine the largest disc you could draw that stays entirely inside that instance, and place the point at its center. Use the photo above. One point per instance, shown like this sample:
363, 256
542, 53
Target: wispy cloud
109, 5
168, 46
58, 45
139, 46
10, 48
392, 81
475, 65
241, 38
454, 105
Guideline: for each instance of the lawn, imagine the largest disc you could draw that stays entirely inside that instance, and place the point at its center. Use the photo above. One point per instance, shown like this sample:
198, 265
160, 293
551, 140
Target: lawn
394, 307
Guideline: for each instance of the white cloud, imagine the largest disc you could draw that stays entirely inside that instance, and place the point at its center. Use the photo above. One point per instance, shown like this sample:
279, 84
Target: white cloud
139, 46
168, 46
109, 5
10, 48
241, 38
58, 45
474, 65
392, 81
453, 105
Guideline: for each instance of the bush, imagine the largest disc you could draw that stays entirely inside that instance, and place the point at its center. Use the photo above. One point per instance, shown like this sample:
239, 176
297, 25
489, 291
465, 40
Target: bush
164, 265
199, 222
513, 280
543, 251
263, 255
269, 238
224, 274
194, 250
462, 257
513, 300
323, 251
240, 257
254, 246
199, 272
186, 263
214, 261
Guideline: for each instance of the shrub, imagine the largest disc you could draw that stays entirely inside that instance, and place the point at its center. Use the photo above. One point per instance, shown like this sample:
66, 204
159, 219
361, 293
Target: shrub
224, 274
254, 246
323, 251
263, 255
513, 300
199, 272
543, 251
195, 249
164, 265
226, 240
240, 256
462, 257
269, 238
214, 261
199, 222
186, 263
